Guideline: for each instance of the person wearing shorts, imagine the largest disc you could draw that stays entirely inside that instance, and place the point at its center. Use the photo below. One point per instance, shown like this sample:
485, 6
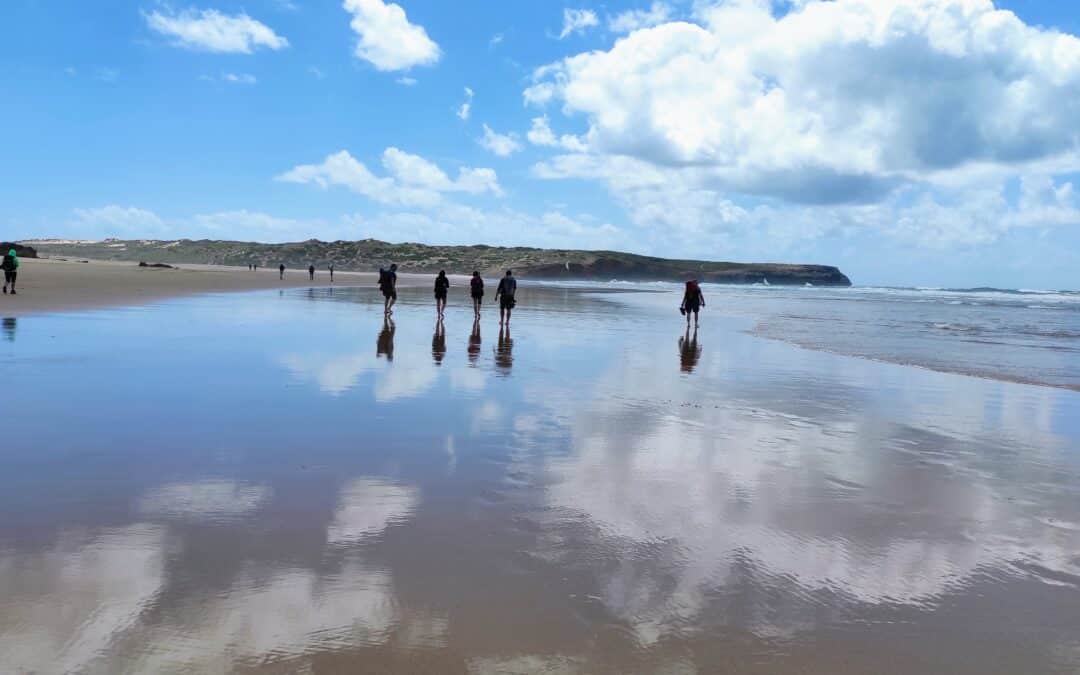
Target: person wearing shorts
388, 284
693, 301
11, 270
505, 295
476, 289
442, 289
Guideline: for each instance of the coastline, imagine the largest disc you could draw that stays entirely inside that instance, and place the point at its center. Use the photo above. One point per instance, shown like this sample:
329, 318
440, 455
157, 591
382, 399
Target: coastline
49, 285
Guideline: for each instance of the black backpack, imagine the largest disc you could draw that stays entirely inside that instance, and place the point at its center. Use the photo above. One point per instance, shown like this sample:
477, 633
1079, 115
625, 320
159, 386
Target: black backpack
9, 263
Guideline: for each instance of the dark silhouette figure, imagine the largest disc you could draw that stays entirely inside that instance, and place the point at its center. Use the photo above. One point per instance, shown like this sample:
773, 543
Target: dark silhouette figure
311, 272
10, 265
693, 301
689, 351
331, 273
474, 342
281, 271
388, 286
476, 290
505, 295
438, 343
9, 326
385, 344
504, 350
442, 289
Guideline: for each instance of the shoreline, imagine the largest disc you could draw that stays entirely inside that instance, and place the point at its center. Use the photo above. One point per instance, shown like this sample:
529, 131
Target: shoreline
49, 286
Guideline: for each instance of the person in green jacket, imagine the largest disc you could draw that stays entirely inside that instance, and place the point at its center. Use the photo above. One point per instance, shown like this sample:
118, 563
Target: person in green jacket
11, 270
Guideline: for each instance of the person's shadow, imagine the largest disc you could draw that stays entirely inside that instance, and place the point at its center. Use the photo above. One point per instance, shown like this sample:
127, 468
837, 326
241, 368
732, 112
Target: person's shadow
474, 343
438, 343
504, 350
385, 344
689, 351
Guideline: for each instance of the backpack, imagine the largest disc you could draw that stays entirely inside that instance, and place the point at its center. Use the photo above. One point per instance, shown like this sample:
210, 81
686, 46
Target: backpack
477, 284
8, 264
384, 278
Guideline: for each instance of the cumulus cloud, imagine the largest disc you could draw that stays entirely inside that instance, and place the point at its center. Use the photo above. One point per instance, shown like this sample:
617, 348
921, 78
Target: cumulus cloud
386, 39
577, 21
210, 30
635, 19
410, 180
502, 145
121, 220
465, 109
541, 134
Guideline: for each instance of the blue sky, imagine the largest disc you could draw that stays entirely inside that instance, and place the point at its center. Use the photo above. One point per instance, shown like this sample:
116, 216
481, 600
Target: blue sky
911, 142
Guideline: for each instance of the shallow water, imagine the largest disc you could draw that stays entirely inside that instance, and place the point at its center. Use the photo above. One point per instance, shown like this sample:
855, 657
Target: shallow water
277, 482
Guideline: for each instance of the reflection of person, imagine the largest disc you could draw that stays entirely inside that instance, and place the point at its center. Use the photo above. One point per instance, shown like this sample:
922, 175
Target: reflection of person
388, 286
689, 351
281, 271
11, 270
442, 288
504, 350
692, 302
385, 344
438, 343
505, 295
10, 324
476, 289
474, 342
311, 272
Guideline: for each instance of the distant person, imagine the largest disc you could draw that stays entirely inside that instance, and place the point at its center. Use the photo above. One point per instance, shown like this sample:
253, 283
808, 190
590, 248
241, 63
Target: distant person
442, 289
476, 289
504, 350
505, 295
438, 343
692, 302
255, 268
11, 270
388, 286
689, 351
281, 271
474, 342
384, 346
311, 272
331, 273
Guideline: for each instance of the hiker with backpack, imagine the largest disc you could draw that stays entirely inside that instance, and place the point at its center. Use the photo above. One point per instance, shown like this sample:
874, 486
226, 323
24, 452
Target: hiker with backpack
11, 270
692, 302
505, 294
476, 289
281, 271
388, 286
442, 289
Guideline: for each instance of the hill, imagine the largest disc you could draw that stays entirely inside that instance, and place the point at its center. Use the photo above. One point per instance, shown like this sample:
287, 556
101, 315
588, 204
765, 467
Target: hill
370, 254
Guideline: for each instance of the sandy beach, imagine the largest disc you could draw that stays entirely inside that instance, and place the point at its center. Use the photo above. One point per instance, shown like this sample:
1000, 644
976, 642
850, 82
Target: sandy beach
47, 285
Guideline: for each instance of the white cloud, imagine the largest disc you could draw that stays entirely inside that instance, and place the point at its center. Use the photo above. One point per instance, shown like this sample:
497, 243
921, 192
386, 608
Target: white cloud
541, 134
231, 78
635, 19
406, 81
210, 30
122, 220
369, 506
577, 21
465, 109
386, 39
412, 180
502, 145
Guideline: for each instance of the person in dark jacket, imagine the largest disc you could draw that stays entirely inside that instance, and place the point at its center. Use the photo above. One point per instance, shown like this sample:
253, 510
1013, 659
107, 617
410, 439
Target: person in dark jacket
505, 295
693, 301
442, 289
476, 290
311, 272
11, 270
281, 271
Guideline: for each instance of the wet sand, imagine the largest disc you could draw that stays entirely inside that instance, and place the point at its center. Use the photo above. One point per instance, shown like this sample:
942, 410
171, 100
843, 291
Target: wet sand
53, 285
282, 482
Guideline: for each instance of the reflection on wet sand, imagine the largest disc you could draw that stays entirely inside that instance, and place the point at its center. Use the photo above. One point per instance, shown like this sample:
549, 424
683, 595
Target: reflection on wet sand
689, 351
10, 325
599, 512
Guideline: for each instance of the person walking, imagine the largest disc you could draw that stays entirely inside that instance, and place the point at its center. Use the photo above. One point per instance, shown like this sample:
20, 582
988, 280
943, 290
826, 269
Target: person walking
693, 301
11, 270
281, 271
442, 289
331, 272
505, 295
476, 289
311, 272
388, 286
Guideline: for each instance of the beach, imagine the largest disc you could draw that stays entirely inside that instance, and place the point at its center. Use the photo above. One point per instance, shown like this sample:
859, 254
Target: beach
280, 480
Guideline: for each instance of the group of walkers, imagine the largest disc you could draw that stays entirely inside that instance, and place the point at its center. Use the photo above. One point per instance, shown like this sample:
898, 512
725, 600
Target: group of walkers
310, 271
505, 293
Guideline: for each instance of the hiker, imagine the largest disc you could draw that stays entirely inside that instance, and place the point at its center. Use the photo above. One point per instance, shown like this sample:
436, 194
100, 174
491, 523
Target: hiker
331, 272
693, 301
505, 295
476, 289
442, 288
11, 270
281, 271
311, 272
388, 286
